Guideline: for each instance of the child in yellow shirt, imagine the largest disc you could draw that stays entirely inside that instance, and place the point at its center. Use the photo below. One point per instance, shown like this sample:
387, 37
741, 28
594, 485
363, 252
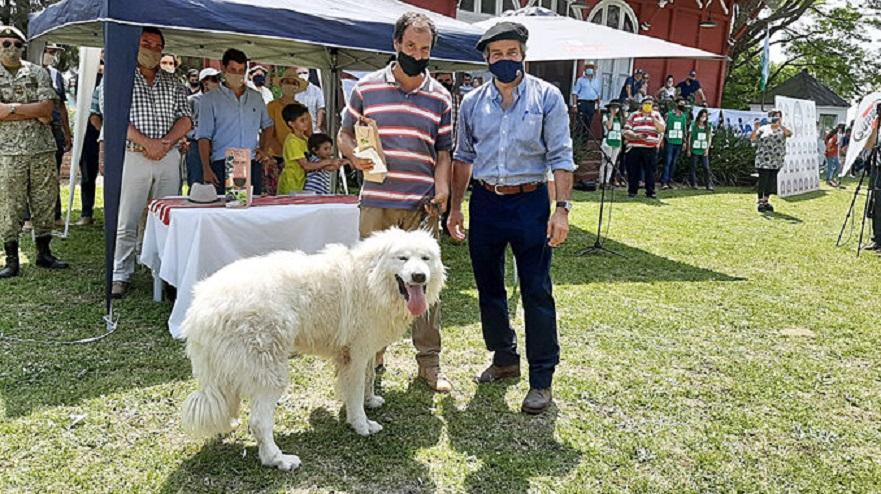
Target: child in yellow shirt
296, 147
293, 176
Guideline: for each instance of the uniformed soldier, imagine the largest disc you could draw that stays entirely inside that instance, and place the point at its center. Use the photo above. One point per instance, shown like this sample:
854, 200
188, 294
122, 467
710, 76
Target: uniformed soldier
27, 160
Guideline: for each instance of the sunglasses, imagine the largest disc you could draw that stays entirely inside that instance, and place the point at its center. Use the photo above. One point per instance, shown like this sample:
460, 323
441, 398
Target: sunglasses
18, 44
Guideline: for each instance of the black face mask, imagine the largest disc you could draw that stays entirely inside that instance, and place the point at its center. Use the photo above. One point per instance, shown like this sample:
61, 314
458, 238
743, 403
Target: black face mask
410, 65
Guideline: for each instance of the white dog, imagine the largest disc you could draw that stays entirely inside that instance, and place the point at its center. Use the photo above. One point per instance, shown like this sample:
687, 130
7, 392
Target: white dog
342, 304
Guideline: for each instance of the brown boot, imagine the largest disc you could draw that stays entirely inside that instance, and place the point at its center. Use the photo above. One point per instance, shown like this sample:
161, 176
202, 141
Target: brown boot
537, 401
494, 373
435, 379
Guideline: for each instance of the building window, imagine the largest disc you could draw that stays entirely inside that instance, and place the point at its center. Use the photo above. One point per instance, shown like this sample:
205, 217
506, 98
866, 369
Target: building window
496, 7
615, 14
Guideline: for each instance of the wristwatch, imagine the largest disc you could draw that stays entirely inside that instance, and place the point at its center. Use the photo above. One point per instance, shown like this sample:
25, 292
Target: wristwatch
567, 205
13, 108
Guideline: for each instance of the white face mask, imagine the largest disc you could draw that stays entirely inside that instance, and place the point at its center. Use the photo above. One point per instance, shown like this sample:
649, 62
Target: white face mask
148, 58
49, 59
234, 81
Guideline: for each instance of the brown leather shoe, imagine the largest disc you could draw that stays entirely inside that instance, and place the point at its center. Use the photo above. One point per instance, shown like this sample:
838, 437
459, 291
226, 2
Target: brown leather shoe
435, 379
494, 373
85, 221
537, 401
118, 289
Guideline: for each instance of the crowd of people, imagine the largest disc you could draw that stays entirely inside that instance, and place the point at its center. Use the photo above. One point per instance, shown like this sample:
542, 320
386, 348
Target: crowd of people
642, 124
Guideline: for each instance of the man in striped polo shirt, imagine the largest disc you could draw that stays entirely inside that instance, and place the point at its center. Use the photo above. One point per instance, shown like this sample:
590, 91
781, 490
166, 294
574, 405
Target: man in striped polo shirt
643, 132
413, 115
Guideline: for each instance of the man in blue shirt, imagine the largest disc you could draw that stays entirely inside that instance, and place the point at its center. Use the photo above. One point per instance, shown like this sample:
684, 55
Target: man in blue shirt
690, 89
232, 116
586, 94
511, 132
632, 85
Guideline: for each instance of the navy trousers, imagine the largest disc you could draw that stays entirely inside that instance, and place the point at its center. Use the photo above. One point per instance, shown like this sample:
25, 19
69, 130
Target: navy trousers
520, 220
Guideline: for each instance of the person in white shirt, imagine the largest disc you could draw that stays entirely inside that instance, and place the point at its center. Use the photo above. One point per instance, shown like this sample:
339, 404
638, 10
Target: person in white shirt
313, 98
257, 81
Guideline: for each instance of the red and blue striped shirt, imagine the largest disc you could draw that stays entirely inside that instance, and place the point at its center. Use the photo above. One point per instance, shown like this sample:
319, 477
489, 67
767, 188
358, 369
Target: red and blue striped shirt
413, 128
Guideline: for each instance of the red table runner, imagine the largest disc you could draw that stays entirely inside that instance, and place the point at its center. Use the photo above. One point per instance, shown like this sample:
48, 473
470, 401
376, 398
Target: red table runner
163, 207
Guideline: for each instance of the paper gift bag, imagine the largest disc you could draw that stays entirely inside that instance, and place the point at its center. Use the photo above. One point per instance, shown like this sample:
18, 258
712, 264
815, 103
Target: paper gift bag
369, 147
238, 175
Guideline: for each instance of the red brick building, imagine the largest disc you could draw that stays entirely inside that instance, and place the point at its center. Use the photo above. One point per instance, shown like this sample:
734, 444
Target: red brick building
687, 22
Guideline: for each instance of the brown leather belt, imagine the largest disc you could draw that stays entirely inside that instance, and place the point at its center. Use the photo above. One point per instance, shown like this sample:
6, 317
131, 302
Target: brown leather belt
507, 190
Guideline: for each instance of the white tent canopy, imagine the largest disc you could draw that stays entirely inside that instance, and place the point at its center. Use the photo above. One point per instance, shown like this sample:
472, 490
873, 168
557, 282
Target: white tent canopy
564, 38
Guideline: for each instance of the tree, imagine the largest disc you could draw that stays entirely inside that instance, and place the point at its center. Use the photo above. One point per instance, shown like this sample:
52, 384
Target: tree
831, 42
15, 12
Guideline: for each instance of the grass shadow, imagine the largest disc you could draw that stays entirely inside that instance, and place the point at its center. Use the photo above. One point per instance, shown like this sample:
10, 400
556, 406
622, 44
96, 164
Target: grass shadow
569, 267
817, 194
51, 306
619, 195
511, 447
333, 457
774, 215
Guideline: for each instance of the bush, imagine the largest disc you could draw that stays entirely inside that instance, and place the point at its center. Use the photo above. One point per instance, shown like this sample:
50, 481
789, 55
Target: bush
732, 160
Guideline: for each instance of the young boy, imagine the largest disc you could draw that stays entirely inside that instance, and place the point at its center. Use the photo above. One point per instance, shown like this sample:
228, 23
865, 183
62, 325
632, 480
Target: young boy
296, 165
321, 149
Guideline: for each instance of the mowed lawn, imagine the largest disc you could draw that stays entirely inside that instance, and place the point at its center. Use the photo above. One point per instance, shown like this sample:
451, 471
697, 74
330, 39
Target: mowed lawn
728, 352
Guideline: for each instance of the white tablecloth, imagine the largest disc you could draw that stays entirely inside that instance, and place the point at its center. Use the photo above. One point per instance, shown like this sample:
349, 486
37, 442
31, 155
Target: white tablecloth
198, 242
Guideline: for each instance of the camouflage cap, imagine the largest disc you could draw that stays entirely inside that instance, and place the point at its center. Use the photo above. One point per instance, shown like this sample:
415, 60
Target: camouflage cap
12, 32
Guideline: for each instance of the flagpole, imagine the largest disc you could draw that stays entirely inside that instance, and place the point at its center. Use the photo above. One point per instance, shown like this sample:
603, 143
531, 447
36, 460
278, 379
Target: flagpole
766, 63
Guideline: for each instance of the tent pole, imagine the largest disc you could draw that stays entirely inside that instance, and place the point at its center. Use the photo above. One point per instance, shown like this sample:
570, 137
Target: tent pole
332, 97
85, 85
120, 57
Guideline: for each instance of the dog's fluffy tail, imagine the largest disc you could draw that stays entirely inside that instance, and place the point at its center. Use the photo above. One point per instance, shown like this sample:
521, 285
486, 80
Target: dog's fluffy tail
212, 409
207, 413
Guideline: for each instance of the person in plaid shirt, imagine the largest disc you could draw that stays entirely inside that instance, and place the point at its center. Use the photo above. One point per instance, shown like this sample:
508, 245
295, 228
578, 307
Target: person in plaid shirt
160, 117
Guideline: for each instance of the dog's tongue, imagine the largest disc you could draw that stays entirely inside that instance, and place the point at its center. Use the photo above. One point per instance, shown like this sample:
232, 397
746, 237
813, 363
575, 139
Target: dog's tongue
416, 303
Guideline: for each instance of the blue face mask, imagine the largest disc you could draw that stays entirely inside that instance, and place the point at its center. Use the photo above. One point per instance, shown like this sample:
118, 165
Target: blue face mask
506, 70
588, 71
259, 80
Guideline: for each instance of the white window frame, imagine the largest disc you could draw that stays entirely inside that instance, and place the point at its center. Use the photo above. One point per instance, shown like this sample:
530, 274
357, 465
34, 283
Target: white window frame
609, 68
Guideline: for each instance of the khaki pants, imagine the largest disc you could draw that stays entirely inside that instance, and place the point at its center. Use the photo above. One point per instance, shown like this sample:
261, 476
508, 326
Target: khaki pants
426, 329
142, 180
28, 179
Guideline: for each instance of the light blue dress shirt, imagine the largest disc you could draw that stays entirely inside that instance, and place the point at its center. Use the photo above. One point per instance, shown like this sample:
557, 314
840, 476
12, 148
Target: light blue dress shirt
588, 89
517, 145
231, 122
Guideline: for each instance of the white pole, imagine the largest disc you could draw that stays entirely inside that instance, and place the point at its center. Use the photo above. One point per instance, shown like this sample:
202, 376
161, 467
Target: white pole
88, 72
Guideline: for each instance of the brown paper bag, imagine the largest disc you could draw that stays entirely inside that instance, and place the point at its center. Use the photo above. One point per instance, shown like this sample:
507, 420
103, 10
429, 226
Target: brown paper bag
370, 147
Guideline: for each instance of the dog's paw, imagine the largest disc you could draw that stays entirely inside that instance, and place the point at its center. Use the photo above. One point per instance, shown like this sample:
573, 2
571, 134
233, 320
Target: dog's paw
284, 462
374, 401
366, 427
361, 427
373, 427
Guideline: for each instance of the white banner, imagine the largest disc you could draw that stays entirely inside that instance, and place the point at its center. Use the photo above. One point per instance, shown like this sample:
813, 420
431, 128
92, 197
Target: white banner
742, 122
801, 168
862, 129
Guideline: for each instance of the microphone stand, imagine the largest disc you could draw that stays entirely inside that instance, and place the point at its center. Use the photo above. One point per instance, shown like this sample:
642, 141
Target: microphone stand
598, 246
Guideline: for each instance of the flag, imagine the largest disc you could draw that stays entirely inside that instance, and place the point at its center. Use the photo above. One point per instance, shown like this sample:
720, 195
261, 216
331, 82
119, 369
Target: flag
766, 61
862, 129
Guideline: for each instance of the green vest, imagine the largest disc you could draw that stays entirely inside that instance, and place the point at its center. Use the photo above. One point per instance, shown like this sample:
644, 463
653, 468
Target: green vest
613, 137
700, 139
675, 128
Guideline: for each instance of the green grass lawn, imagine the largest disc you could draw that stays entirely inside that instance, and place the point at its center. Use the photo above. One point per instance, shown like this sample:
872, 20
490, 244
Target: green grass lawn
729, 352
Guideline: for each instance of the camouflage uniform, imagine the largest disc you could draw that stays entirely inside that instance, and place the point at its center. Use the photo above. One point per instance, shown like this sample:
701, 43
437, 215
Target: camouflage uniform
27, 155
